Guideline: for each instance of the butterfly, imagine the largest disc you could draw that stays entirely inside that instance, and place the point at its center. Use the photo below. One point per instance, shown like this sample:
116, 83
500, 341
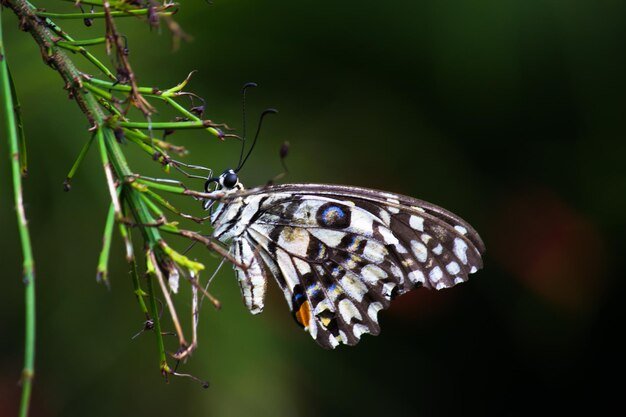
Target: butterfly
340, 254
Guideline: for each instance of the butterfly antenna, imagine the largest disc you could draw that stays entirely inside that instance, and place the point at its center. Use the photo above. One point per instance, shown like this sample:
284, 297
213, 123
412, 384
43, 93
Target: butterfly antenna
256, 136
243, 115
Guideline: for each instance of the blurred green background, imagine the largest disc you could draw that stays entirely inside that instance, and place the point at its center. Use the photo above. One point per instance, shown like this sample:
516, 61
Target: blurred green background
509, 113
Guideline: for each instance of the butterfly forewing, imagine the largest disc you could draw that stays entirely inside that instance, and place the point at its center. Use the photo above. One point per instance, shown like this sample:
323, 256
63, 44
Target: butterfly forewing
340, 254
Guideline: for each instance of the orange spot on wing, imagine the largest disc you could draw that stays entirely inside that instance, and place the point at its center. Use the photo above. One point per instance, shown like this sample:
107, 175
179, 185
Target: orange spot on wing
303, 315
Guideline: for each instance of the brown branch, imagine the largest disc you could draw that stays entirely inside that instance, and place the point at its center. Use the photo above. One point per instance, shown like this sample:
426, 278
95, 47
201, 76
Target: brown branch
125, 74
168, 300
55, 57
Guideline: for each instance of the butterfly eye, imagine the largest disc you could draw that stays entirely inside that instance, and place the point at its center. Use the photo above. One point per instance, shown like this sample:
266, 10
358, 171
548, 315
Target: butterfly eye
230, 180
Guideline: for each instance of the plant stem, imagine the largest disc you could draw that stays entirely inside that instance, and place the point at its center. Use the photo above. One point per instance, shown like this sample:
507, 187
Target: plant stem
166, 125
128, 13
103, 261
79, 160
20, 127
84, 42
165, 369
28, 371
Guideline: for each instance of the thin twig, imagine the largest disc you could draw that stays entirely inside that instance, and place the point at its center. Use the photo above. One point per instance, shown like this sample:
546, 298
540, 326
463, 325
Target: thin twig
209, 243
168, 300
125, 72
28, 372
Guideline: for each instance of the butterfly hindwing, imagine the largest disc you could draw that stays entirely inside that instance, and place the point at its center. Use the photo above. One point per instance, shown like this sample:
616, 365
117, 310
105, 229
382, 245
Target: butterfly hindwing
340, 254
317, 271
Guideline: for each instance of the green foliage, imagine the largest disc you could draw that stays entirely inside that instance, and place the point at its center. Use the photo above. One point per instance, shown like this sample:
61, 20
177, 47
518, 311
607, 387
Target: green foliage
135, 199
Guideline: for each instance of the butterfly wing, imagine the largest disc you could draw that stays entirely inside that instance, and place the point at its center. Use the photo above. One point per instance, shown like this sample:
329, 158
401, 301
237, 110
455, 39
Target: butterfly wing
340, 254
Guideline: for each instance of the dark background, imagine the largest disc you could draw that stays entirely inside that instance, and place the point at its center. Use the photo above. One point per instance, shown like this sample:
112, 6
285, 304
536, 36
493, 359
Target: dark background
509, 113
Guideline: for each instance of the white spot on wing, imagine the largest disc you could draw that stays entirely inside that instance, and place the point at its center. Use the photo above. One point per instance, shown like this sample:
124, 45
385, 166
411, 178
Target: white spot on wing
348, 310
322, 306
388, 237
362, 221
372, 273
437, 250
330, 238
373, 309
435, 274
417, 276
312, 328
285, 264
375, 252
460, 249
385, 217
416, 223
397, 272
453, 268
395, 201
400, 248
458, 280
388, 289
460, 229
303, 267
419, 250
359, 329
355, 288
294, 240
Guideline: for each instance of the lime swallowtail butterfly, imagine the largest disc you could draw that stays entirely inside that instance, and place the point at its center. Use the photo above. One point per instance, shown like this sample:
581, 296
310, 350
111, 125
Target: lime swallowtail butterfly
340, 254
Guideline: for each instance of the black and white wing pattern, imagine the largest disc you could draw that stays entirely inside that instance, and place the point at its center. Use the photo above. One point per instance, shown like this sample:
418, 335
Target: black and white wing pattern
340, 254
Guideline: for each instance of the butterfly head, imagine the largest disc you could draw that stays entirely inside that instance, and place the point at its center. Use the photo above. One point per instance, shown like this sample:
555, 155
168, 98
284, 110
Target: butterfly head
228, 181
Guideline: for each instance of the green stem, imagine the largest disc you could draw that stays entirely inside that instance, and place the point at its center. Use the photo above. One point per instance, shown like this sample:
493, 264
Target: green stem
98, 91
57, 30
130, 257
122, 87
160, 186
166, 95
151, 205
85, 42
20, 127
154, 310
165, 125
100, 15
28, 371
149, 149
113, 4
79, 160
140, 211
180, 108
118, 5
163, 202
103, 261
81, 50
